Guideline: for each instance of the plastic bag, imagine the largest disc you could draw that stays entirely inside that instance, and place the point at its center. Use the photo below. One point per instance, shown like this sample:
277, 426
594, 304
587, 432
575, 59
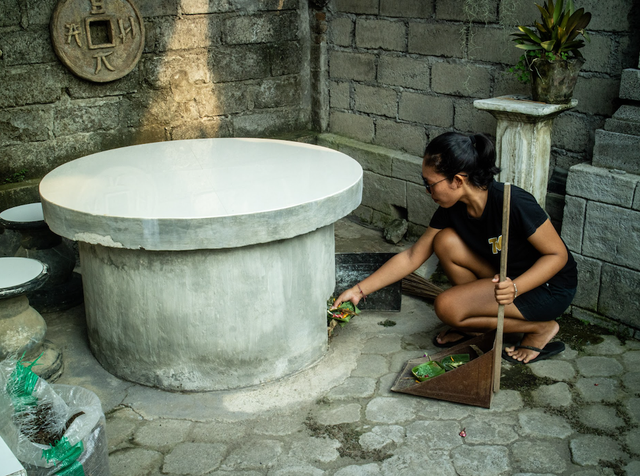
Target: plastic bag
52, 429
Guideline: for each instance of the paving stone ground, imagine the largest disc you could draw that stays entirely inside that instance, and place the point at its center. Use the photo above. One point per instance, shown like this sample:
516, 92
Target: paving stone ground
577, 414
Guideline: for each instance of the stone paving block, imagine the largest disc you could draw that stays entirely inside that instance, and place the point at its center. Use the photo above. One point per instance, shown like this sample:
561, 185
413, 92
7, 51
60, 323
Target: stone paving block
212, 432
382, 437
506, 401
632, 468
591, 450
440, 410
458, 79
434, 435
411, 463
375, 100
162, 434
631, 382
538, 424
632, 439
436, 39
426, 109
556, 395
406, 8
354, 126
631, 360
347, 65
568, 353
610, 345
353, 387
632, 406
602, 185
371, 469
573, 222
554, 369
315, 450
382, 345
337, 414
598, 389
380, 34
540, 456
341, 31
399, 136
292, 471
490, 429
598, 366
481, 460
279, 424
371, 365
385, 383
402, 71
600, 417
390, 410
194, 458
134, 461
253, 454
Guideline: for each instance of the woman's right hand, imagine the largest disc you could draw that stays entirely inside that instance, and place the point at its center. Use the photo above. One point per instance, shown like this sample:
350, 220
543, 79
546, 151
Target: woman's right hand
353, 294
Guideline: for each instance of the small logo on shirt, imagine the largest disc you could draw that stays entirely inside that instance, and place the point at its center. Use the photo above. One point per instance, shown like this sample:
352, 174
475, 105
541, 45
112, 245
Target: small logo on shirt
496, 244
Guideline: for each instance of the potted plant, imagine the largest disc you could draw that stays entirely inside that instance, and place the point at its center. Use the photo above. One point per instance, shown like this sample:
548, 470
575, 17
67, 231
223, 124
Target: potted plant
552, 58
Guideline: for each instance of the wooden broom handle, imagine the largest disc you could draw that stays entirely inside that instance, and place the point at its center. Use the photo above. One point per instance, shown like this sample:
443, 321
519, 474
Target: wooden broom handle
497, 362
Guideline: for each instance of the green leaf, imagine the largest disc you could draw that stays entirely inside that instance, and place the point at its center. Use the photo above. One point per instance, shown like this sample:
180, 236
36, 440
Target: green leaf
548, 45
529, 46
570, 7
583, 21
556, 12
530, 33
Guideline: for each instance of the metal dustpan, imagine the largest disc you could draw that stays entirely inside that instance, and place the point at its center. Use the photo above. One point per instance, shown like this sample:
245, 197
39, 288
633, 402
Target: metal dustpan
471, 383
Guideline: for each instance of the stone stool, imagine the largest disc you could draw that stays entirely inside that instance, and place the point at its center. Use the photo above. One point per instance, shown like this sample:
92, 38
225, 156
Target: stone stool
63, 289
22, 328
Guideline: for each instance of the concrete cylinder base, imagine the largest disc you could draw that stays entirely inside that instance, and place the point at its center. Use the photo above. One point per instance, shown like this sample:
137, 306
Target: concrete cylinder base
195, 320
22, 328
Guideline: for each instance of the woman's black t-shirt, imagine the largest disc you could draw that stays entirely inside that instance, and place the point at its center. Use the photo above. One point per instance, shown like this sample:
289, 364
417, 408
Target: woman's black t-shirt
483, 235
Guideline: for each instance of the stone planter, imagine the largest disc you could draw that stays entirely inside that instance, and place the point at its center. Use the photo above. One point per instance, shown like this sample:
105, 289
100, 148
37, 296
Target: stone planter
553, 82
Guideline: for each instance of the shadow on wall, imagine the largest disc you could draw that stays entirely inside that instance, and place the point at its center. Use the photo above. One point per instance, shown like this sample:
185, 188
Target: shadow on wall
210, 68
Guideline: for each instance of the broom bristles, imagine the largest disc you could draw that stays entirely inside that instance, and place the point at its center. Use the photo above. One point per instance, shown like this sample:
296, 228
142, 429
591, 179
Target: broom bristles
416, 285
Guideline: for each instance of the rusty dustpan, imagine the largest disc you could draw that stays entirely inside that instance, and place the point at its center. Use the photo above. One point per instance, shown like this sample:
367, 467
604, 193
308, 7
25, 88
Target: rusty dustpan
475, 382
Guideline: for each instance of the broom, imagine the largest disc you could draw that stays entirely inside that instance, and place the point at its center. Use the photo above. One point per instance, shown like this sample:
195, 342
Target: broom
416, 285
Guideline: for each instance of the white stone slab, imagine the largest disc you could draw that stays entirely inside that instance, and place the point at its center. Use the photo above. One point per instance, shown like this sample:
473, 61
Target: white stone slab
18, 271
200, 194
31, 212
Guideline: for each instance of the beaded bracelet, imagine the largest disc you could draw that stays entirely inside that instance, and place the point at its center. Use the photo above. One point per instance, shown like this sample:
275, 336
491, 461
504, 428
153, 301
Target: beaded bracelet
364, 296
514, 287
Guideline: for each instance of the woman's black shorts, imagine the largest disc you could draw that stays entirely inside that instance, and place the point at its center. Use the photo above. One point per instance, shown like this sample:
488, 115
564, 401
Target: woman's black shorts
544, 303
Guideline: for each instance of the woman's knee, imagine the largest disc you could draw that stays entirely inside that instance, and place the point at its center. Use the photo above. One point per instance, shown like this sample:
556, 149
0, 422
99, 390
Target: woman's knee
445, 308
446, 242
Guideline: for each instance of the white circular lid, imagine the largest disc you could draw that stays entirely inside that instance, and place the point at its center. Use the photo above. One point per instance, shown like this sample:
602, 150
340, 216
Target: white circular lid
31, 212
18, 271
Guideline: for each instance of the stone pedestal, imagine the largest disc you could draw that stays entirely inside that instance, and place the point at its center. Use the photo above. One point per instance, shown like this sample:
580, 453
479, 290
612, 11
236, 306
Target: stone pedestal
523, 140
22, 328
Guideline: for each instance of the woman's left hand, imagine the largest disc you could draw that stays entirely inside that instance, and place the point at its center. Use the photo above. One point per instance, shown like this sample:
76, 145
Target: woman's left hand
505, 291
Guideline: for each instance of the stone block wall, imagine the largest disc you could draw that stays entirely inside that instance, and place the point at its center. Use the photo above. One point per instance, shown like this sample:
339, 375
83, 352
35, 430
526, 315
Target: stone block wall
215, 68
401, 72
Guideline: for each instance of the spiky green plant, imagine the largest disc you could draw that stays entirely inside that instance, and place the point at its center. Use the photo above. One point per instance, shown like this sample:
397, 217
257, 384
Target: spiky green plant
558, 32
554, 38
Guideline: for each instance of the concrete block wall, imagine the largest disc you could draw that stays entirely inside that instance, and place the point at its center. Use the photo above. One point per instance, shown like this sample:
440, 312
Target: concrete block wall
401, 72
213, 68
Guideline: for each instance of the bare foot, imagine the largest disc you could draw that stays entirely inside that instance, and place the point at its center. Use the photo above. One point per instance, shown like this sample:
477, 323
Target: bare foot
452, 335
546, 332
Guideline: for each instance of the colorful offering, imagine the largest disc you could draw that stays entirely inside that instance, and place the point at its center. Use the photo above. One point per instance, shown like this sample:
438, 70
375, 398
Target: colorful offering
343, 313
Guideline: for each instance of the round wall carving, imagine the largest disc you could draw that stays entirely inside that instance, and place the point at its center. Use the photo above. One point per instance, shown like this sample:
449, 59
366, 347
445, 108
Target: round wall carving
98, 40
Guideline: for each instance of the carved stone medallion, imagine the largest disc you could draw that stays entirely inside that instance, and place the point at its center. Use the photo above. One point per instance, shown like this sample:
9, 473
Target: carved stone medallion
98, 40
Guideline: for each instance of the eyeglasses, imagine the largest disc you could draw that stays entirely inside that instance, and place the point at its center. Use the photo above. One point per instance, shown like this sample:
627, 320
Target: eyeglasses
428, 186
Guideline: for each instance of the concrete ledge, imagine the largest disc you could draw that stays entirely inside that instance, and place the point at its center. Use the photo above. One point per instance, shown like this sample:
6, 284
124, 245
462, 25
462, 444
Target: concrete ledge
602, 185
617, 151
630, 84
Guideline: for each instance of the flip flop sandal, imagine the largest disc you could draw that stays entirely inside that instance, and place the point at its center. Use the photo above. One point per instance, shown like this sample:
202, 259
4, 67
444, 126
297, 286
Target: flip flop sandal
446, 345
549, 350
